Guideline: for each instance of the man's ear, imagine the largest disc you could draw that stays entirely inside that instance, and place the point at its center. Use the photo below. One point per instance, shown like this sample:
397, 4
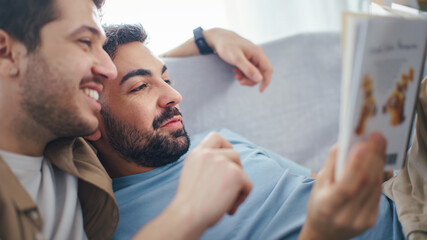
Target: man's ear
10, 51
5, 44
94, 137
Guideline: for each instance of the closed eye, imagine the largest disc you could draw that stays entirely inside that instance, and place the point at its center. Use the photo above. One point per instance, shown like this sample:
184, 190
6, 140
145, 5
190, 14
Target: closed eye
168, 82
86, 42
141, 87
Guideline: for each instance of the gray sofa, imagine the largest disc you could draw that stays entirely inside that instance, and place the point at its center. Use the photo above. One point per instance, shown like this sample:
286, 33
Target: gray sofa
297, 116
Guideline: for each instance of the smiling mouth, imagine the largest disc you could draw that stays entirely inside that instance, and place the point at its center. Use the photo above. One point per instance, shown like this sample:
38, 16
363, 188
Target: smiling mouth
91, 93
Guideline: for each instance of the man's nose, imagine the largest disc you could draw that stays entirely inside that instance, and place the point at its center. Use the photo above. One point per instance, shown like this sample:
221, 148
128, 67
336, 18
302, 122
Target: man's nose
104, 67
169, 97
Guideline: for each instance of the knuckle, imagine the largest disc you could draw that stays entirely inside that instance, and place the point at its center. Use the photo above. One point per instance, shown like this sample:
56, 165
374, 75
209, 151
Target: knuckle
224, 162
365, 222
346, 193
380, 157
239, 61
372, 220
342, 223
333, 150
221, 160
270, 68
325, 213
193, 154
360, 225
233, 170
250, 185
364, 180
259, 49
197, 155
251, 71
360, 164
213, 134
234, 173
369, 224
205, 154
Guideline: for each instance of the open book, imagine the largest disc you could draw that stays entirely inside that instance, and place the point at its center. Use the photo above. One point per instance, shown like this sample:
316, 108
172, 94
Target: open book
382, 66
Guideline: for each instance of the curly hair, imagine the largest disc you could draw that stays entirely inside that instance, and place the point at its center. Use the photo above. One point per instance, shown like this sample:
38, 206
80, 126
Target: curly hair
119, 34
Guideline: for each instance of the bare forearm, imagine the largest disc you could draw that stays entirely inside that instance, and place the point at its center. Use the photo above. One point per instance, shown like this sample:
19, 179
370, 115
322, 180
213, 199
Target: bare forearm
189, 48
251, 64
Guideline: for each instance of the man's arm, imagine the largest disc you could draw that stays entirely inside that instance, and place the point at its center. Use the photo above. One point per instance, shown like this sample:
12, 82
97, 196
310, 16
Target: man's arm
212, 183
252, 65
346, 207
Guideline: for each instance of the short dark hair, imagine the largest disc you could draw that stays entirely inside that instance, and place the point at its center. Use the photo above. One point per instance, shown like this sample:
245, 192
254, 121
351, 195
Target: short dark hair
119, 34
23, 19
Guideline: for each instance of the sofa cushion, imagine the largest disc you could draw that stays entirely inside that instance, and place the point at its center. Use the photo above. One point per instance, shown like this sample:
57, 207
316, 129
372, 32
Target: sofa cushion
296, 116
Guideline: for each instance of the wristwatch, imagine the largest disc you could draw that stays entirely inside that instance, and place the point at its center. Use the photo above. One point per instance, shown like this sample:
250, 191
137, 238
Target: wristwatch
200, 41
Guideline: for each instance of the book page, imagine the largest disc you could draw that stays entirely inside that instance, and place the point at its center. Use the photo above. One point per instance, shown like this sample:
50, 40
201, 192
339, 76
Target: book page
349, 40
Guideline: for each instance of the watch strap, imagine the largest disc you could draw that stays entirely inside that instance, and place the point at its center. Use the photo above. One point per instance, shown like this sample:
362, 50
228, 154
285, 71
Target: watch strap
200, 41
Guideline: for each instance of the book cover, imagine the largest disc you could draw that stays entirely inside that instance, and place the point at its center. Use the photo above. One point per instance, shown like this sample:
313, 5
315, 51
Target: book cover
383, 59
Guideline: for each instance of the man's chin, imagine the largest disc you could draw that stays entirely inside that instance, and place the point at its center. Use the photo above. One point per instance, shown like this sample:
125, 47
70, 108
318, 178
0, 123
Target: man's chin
179, 134
182, 141
78, 128
163, 149
93, 125
180, 137
90, 126
172, 133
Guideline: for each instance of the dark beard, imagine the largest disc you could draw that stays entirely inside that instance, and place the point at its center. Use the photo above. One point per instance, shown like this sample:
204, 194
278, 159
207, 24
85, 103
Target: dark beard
147, 149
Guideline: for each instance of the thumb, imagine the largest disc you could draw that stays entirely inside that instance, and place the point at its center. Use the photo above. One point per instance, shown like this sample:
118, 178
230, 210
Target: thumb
328, 170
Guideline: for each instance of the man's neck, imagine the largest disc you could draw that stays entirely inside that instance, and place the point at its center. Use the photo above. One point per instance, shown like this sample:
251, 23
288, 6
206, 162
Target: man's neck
113, 162
117, 166
23, 137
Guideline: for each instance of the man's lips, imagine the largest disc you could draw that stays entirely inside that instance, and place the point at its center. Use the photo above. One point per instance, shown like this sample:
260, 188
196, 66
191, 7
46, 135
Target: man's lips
95, 86
92, 91
91, 87
177, 120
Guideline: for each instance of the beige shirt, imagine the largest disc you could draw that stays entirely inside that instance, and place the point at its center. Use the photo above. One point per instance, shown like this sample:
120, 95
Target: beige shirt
55, 193
409, 188
19, 216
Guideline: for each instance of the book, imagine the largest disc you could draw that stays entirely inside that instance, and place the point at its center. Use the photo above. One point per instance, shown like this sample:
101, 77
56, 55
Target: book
382, 67
416, 4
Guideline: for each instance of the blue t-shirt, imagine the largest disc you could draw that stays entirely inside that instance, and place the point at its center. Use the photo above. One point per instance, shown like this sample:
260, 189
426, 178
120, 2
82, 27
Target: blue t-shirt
275, 209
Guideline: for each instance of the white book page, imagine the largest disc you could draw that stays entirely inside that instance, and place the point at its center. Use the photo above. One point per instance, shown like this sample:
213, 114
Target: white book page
351, 30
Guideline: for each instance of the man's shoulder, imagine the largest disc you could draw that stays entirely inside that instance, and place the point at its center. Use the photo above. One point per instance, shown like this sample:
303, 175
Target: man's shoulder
226, 133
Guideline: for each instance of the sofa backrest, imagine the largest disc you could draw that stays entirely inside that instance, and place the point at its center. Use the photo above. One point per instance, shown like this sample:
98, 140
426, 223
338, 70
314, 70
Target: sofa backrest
296, 116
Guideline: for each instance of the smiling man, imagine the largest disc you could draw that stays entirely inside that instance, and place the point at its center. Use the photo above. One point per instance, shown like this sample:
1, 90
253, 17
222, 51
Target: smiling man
52, 66
141, 141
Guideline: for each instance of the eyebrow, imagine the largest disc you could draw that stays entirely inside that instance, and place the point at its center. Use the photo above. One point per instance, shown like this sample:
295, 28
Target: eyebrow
86, 28
139, 72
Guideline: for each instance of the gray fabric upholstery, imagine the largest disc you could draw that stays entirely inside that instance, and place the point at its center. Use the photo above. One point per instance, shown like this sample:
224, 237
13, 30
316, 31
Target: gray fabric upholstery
297, 115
